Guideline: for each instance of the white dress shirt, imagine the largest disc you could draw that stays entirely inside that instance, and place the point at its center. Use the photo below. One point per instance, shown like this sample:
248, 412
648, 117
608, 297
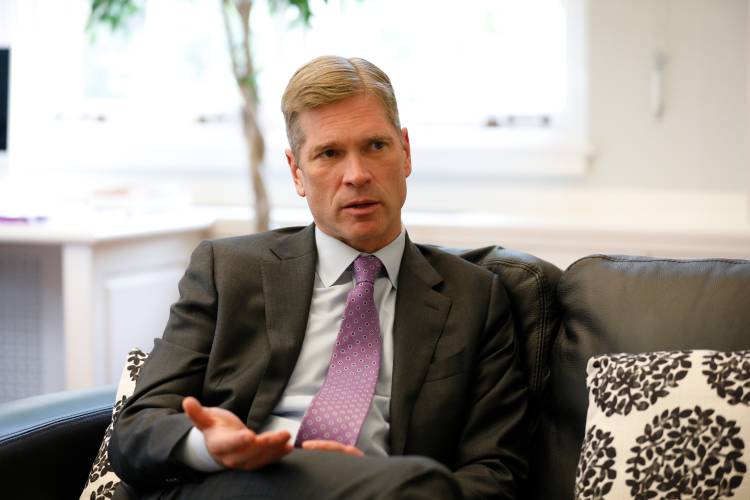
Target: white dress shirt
333, 281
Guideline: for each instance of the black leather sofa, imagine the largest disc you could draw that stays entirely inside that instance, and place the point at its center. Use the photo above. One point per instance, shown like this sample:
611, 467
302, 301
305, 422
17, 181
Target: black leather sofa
600, 304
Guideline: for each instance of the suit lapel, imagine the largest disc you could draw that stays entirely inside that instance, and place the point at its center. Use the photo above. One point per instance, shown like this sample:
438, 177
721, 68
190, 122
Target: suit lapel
420, 317
287, 275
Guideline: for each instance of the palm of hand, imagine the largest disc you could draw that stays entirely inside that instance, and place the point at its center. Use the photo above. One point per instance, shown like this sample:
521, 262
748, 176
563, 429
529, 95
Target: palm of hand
231, 443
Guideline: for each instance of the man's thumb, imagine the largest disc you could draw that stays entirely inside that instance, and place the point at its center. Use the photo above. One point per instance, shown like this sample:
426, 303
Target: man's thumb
196, 413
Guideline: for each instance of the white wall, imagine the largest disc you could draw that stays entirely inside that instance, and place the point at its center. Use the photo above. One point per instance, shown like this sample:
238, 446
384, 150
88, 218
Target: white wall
701, 142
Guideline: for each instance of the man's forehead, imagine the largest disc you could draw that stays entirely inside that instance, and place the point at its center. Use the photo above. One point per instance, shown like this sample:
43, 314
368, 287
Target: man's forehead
360, 104
358, 117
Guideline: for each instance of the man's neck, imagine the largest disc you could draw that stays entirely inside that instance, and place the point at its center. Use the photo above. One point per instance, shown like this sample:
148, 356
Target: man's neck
334, 256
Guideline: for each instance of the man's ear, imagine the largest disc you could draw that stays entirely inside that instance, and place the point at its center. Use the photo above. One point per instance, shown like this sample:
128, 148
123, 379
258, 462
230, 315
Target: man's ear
296, 172
407, 151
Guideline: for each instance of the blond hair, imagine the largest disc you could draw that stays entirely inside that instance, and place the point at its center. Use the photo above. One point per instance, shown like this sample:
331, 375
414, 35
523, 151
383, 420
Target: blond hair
329, 79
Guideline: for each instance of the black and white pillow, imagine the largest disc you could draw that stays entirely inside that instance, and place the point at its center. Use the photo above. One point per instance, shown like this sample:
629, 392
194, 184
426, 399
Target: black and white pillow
102, 480
666, 425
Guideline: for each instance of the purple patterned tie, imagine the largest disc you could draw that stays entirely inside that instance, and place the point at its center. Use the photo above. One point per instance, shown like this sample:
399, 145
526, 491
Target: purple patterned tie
340, 407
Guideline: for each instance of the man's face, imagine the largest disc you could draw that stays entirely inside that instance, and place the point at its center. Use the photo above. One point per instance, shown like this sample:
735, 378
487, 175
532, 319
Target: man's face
352, 168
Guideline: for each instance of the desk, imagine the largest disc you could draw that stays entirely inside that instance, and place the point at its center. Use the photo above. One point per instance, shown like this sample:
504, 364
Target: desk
76, 293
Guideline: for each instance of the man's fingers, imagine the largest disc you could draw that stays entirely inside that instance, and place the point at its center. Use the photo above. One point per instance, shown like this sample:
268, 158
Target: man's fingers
196, 413
268, 447
228, 442
263, 451
266, 455
327, 445
273, 437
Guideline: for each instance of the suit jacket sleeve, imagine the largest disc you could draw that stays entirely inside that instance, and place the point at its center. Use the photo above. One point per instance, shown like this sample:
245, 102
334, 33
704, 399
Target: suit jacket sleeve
152, 422
491, 461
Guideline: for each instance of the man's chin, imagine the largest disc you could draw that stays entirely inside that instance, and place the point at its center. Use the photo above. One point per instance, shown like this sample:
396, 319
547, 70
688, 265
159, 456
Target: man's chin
369, 239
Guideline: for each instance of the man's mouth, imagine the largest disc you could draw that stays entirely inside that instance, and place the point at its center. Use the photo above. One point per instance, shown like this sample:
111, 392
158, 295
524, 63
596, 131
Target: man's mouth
361, 208
360, 204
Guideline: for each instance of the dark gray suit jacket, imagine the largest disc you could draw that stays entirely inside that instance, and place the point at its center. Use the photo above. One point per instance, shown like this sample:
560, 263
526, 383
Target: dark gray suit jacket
232, 340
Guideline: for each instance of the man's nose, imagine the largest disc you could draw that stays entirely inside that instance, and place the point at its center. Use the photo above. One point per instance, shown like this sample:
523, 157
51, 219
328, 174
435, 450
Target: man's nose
356, 171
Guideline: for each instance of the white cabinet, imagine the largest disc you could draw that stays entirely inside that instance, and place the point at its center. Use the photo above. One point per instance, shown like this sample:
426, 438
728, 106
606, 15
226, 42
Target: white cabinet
72, 304
136, 309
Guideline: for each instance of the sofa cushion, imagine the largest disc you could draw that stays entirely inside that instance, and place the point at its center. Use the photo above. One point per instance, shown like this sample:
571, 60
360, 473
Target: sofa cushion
102, 480
630, 304
47, 441
669, 424
531, 285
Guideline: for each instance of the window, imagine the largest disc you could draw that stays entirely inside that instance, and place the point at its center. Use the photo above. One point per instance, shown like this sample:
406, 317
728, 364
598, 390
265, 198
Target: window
495, 86
458, 69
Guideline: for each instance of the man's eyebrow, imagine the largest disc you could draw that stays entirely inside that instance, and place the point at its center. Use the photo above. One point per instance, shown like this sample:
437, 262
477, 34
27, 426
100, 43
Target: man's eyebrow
380, 138
322, 147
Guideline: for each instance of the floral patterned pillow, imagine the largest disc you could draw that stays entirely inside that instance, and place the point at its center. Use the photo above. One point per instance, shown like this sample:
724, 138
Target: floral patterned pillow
102, 480
666, 425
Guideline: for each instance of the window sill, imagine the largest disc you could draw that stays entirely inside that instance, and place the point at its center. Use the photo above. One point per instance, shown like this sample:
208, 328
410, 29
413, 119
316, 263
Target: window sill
499, 153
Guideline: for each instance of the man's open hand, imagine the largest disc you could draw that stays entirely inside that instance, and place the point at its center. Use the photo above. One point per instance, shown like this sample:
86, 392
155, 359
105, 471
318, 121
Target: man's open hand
230, 442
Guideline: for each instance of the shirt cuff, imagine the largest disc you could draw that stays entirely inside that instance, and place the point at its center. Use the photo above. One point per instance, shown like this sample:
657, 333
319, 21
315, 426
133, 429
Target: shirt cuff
192, 452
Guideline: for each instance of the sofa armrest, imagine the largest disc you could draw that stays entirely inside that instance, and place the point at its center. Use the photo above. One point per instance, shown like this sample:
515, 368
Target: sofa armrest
48, 442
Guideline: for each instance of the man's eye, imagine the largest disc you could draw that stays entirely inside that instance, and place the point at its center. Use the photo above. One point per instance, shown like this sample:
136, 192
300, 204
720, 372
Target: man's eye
328, 153
378, 145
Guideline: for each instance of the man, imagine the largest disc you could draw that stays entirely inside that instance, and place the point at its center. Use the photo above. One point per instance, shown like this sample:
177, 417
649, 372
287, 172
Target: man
258, 389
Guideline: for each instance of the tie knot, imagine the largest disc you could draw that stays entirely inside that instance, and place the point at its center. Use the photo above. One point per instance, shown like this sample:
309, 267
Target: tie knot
366, 268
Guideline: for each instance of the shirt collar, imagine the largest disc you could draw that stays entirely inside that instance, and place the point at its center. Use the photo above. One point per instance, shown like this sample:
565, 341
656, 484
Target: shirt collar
335, 256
